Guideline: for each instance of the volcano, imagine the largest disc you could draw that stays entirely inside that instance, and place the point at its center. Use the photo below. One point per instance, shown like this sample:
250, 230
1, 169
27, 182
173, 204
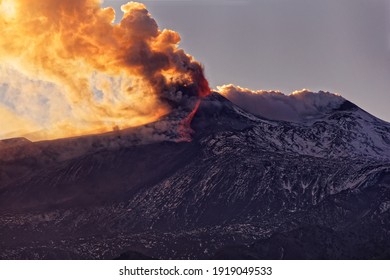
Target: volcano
244, 187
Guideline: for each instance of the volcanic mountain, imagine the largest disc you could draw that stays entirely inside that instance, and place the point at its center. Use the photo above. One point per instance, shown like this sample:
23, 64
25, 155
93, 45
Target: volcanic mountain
244, 186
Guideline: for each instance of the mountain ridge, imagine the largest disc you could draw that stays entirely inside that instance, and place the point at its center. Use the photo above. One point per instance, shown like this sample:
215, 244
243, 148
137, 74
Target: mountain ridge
241, 180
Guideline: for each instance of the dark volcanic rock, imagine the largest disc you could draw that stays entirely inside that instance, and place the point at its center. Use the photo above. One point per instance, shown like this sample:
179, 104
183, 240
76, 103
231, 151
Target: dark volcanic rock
131, 255
244, 187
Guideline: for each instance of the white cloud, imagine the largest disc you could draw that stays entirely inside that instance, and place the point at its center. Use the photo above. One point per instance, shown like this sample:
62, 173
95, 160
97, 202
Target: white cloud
278, 106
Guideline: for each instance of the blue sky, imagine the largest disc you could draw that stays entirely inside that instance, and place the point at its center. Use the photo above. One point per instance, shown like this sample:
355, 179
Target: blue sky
341, 46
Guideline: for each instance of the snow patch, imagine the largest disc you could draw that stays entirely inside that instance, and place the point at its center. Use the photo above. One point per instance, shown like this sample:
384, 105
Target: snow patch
384, 207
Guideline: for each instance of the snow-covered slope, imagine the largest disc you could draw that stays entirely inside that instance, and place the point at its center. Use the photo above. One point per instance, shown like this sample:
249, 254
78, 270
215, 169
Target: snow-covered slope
242, 179
343, 131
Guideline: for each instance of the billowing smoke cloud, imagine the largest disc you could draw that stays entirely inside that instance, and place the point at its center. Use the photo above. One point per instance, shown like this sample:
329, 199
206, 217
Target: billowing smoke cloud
67, 68
278, 106
12, 124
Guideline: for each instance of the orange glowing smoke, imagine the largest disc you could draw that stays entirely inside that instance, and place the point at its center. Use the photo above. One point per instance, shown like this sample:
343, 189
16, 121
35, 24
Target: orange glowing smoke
67, 69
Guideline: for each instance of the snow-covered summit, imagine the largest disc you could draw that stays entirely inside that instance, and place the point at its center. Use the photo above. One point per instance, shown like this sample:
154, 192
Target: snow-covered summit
334, 127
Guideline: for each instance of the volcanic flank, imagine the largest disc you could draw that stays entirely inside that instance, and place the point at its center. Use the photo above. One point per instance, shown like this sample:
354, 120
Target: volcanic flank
67, 69
179, 172
245, 186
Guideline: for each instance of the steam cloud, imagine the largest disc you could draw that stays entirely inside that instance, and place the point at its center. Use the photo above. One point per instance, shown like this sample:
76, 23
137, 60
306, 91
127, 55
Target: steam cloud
278, 106
66, 69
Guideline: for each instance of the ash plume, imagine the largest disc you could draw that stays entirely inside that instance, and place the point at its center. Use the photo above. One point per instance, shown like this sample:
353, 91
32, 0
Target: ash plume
275, 105
68, 59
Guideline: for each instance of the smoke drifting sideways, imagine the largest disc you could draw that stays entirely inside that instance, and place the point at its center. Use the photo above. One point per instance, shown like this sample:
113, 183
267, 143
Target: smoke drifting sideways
66, 69
274, 105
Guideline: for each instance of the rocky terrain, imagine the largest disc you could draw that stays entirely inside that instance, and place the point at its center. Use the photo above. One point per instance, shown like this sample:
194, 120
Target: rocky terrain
243, 187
